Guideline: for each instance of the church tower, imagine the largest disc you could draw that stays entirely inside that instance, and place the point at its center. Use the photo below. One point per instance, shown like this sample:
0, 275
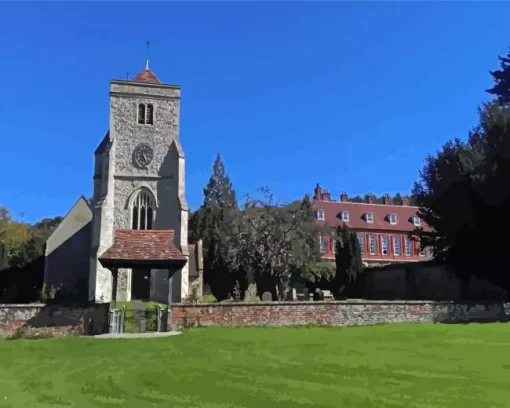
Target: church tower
139, 182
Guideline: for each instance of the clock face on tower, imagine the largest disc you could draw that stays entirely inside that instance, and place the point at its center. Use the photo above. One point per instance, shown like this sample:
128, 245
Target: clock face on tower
143, 155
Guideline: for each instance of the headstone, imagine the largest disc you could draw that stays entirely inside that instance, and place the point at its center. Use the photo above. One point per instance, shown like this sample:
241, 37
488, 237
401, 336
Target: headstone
306, 294
318, 295
294, 294
267, 297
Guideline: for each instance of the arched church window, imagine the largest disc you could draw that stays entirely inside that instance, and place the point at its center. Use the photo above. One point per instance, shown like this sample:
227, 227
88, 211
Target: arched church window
143, 211
141, 114
150, 114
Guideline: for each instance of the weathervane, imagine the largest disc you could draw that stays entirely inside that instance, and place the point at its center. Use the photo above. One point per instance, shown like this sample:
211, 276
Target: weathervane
147, 43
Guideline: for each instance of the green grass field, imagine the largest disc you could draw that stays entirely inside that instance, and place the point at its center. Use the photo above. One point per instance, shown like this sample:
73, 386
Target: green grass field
400, 365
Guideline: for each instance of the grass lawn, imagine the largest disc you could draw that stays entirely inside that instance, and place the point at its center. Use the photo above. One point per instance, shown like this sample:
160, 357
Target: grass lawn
400, 365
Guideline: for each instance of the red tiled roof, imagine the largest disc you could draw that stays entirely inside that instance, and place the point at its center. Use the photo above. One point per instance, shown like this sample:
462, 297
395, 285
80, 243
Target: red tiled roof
357, 211
146, 76
143, 245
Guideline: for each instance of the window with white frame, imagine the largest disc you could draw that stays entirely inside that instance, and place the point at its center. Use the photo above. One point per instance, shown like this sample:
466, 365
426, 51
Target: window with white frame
393, 219
369, 217
143, 211
333, 243
384, 245
323, 243
416, 221
408, 246
345, 216
397, 250
372, 242
361, 241
320, 215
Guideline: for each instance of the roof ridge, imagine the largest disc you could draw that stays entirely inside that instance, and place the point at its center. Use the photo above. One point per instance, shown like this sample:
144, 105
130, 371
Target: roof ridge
380, 205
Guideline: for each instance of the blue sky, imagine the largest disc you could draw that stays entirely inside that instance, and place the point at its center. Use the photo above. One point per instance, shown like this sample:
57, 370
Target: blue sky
351, 95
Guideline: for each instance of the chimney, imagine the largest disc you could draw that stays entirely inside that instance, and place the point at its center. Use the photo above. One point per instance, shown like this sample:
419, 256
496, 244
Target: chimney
405, 201
370, 199
343, 197
318, 192
326, 196
387, 200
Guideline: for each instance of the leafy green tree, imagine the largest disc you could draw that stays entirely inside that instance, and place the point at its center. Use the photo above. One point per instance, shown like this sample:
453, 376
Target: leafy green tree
274, 240
14, 236
347, 260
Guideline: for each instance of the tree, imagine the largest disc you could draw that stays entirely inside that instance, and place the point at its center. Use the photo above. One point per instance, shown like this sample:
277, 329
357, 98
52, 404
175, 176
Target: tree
347, 259
501, 88
397, 200
14, 236
208, 223
274, 241
462, 193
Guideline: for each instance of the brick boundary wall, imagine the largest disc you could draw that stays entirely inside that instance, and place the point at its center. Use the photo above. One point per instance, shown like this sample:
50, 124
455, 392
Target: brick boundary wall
338, 313
55, 319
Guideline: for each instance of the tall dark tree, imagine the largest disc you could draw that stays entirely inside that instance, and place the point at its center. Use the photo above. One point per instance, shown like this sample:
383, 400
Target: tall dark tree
462, 193
208, 222
347, 259
501, 76
397, 199
357, 199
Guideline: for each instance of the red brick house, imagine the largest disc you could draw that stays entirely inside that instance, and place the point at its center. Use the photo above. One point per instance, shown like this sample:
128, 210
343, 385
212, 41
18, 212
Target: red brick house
385, 231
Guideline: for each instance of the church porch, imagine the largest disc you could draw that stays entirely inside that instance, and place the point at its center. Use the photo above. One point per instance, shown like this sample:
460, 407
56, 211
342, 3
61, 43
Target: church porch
144, 251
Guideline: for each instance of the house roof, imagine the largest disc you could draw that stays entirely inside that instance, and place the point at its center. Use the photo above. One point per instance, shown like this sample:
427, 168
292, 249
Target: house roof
146, 76
144, 245
357, 220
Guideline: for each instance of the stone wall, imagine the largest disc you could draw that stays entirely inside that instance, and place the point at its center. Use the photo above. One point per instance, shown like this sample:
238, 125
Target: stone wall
332, 313
59, 320
416, 281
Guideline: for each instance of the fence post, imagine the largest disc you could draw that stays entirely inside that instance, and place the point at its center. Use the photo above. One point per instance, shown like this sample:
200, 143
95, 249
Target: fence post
158, 318
122, 318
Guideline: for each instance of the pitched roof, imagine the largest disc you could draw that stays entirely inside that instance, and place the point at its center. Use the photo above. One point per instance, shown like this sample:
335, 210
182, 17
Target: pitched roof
101, 148
146, 76
143, 245
357, 211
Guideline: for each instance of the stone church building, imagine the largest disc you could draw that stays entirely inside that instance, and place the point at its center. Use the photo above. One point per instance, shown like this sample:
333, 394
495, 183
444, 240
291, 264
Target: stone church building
131, 241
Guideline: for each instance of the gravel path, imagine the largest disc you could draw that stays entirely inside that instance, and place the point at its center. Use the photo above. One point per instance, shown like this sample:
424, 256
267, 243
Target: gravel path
137, 335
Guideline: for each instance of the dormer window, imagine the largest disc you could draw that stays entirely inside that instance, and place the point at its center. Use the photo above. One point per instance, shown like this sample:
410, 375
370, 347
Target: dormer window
416, 221
145, 114
345, 216
320, 215
369, 217
393, 219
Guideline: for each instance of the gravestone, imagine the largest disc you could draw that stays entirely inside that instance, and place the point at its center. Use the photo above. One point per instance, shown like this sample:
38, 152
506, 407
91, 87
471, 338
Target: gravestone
318, 295
291, 295
267, 297
306, 294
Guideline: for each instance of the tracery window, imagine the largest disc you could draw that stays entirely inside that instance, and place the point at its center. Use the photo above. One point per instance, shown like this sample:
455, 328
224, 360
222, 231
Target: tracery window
143, 211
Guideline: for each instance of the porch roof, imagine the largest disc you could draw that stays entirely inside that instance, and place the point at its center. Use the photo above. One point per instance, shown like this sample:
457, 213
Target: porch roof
133, 248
